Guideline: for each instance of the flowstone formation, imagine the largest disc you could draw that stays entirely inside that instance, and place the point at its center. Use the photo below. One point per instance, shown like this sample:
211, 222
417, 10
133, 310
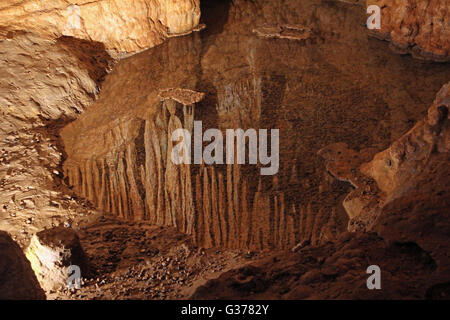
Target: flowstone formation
316, 92
50, 74
308, 68
399, 215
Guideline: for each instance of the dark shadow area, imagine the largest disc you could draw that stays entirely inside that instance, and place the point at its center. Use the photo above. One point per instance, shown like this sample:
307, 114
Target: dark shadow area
214, 15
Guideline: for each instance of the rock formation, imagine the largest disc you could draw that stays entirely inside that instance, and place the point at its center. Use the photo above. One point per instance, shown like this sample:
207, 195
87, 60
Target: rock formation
402, 194
51, 252
416, 26
128, 172
43, 83
403, 168
335, 84
335, 270
291, 32
123, 27
17, 280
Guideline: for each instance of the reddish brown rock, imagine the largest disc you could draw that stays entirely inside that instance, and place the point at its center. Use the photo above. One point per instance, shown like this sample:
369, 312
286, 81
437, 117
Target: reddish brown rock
416, 26
413, 163
336, 270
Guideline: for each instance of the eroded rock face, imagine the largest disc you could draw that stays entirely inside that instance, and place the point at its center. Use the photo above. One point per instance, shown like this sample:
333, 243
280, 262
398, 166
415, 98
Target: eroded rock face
416, 26
43, 80
51, 252
414, 162
43, 83
123, 26
403, 192
17, 280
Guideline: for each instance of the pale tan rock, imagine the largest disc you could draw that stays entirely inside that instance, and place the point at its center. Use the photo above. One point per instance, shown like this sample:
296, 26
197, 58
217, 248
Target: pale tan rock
51, 252
286, 31
184, 96
123, 26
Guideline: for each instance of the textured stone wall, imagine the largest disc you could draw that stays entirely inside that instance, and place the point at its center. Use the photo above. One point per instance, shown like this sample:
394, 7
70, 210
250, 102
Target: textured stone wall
416, 26
406, 184
123, 26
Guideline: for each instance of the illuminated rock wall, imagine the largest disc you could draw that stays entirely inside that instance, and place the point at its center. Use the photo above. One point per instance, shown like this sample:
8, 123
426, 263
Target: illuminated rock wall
123, 26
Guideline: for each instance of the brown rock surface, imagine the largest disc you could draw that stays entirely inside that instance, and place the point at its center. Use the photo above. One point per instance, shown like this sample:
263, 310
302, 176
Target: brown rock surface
342, 87
416, 26
417, 163
43, 84
17, 280
403, 194
336, 270
137, 260
122, 26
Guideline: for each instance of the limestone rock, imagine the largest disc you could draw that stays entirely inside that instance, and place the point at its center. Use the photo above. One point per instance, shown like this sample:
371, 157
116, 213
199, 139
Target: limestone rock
51, 252
123, 26
17, 280
412, 164
416, 26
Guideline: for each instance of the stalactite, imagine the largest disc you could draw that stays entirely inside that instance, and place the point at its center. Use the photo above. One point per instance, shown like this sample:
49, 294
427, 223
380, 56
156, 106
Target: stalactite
230, 205
215, 219
223, 210
199, 236
136, 200
245, 218
207, 218
218, 206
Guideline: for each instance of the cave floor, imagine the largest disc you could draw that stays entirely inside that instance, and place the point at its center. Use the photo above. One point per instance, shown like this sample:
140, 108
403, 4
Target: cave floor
135, 260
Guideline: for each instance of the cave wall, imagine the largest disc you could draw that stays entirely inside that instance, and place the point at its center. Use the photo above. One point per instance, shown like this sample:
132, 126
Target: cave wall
50, 73
416, 26
126, 171
17, 279
123, 26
